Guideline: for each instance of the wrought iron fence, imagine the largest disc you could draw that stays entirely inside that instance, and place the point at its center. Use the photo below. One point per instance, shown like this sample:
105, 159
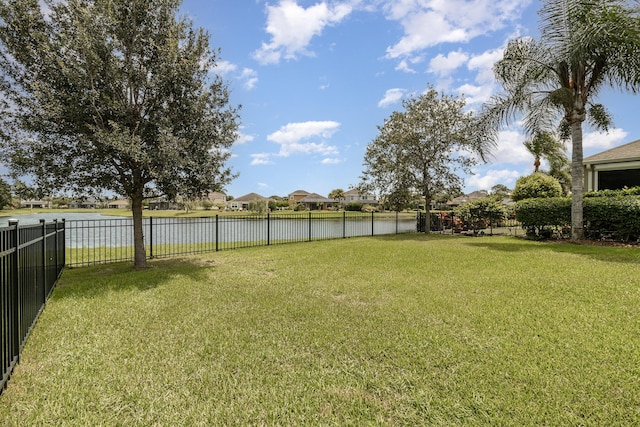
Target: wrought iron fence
102, 241
31, 260
448, 223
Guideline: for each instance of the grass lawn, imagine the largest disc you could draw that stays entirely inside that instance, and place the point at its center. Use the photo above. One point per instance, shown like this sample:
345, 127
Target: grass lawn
389, 330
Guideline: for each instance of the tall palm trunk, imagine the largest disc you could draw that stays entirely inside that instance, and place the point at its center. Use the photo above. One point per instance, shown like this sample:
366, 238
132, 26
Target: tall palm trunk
577, 181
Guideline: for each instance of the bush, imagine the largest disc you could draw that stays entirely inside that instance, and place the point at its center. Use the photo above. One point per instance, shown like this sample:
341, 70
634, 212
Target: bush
633, 191
540, 217
616, 217
479, 213
353, 207
537, 185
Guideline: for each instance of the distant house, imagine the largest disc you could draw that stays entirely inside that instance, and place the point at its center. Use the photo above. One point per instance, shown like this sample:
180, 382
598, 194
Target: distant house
314, 202
85, 203
33, 204
613, 169
296, 196
242, 203
118, 204
162, 204
216, 197
355, 196
461, 200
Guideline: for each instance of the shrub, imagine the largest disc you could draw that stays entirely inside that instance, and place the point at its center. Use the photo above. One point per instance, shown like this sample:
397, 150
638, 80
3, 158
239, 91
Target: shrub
617, 217
537, 185
540, 217
354, 207
481, 212
633, 191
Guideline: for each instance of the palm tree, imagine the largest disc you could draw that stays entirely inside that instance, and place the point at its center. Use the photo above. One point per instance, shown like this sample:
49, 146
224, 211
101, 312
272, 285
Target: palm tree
585, 45
545, 145
338, 195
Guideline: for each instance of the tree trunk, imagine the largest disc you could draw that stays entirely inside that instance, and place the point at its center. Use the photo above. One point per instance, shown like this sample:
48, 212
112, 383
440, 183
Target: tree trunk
140, 256
427, 218
536, 165
577, 181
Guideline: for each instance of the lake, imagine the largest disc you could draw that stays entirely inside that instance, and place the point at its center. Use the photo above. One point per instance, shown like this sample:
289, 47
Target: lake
29, 219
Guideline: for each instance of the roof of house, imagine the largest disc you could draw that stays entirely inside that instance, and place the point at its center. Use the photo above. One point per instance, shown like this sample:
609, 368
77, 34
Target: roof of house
249, 197
216, 194
316, 198
627, 151
468, 197
299, 193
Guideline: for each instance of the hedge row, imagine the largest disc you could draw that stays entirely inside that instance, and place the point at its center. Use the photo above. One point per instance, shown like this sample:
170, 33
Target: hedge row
615, 217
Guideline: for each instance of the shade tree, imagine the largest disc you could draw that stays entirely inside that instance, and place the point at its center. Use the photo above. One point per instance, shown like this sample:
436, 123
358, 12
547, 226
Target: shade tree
422, 149
113, 95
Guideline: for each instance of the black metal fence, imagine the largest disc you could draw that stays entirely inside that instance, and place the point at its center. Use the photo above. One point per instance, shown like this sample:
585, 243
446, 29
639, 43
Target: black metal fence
31, 260
102, 241
448, 223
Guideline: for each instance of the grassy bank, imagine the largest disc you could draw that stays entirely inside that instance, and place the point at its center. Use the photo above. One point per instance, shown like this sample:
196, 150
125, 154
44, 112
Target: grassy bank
394, 330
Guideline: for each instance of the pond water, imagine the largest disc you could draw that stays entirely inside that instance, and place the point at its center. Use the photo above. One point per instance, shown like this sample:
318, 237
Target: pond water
28, 219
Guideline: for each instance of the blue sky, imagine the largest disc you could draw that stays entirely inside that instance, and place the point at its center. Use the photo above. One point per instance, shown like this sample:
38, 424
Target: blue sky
316, 78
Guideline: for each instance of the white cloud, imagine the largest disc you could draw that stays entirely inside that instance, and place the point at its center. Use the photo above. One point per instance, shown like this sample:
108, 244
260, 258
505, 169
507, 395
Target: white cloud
428, 23
292, 27
247, 76
330, 161
290, 137
483, 64
250, 78
599, 141
404, 66
243, 138
492, 177
223, 68
444, 65
510, 149
475, 95
391, 96
261, 159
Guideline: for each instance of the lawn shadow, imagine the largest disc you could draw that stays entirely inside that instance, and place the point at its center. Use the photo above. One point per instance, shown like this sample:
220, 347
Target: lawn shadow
94, 281
626, 255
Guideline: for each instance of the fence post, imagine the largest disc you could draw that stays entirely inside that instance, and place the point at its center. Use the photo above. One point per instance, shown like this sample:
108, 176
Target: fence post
396, 222
150, 237
55, 237
43, 227
268, 228
15, 306
216, 232
309, 226
372, 221
64, 252
344, 224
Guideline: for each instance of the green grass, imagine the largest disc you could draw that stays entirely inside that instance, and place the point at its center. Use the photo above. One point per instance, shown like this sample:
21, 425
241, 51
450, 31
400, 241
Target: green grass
394, 330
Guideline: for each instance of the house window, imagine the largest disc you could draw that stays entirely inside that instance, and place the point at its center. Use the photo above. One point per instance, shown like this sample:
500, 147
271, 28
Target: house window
618, 179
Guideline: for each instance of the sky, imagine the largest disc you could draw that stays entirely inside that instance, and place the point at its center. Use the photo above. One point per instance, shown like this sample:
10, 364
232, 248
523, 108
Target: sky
316, 78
